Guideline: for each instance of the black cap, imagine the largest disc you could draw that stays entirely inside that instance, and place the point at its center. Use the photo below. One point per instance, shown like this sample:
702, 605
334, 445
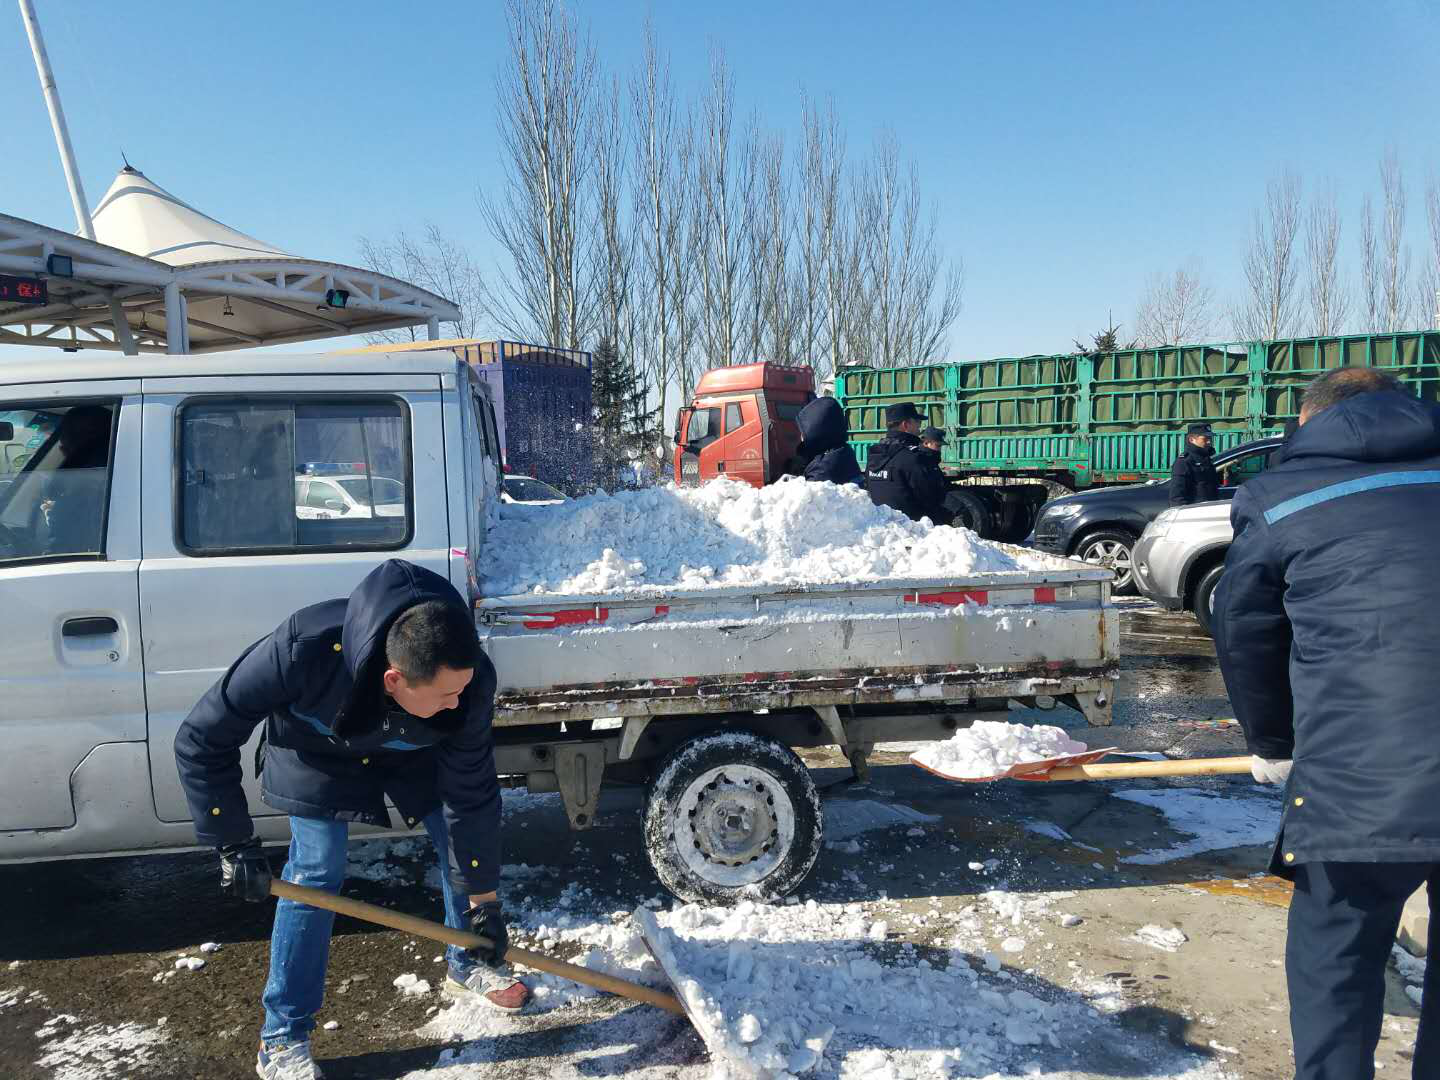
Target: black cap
1199, 429
904, 410
932, 434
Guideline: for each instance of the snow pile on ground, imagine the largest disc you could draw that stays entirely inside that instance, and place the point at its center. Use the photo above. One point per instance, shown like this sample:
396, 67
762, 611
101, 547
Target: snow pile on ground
806, 989
73, 1050
991, 747
1214, 820
724, 533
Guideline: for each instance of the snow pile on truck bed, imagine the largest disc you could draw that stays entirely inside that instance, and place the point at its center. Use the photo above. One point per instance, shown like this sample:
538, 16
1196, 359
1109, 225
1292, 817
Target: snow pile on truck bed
990, 747
725, 533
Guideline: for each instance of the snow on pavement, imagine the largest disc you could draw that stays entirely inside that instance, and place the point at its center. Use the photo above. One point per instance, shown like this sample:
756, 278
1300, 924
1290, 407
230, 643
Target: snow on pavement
1214, 820
725, 533
810, 989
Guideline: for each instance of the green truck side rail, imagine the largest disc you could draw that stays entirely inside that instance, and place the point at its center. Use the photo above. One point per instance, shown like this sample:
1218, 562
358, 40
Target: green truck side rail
1117, 417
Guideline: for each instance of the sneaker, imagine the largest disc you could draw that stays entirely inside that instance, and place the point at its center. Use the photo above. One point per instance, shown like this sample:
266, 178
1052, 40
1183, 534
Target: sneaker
287, 1063
497, 987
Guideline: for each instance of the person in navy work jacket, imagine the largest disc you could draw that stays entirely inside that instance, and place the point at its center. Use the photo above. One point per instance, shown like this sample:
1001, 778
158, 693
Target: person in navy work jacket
1327, 626
386, 693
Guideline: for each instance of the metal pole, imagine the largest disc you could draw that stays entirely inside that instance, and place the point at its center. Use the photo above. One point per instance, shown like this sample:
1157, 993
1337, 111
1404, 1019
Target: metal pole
432, 326
118, 320
57, 120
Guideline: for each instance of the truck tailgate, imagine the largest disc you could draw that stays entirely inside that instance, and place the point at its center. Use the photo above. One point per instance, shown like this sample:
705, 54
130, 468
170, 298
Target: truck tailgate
570, 657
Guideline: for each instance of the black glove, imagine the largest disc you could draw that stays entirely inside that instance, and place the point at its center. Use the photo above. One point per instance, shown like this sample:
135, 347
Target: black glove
488, 921
244, 871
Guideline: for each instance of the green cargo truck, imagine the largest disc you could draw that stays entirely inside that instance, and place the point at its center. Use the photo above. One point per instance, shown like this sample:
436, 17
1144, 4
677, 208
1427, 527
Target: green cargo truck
1022, 430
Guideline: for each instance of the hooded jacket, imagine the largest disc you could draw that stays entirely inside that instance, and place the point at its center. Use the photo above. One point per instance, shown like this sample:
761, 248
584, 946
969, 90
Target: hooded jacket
896, 475
1327, 621
824, 452
335, 744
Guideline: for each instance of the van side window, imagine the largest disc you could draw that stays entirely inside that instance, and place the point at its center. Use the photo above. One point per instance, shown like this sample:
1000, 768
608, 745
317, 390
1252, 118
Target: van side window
278, 476
55, 468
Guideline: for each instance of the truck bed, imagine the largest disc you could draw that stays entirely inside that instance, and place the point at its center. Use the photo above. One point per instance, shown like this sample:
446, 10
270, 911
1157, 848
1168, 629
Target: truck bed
991, 636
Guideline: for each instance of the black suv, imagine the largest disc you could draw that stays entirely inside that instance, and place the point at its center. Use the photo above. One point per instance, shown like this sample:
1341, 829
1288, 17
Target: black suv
1101, 526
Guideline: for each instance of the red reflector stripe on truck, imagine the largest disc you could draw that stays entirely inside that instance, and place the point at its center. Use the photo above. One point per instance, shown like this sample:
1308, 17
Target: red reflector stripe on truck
1044, 596
573, 617
950, 599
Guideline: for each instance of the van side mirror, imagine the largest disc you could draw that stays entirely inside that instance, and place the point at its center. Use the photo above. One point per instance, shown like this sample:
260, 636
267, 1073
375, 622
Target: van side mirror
7, 431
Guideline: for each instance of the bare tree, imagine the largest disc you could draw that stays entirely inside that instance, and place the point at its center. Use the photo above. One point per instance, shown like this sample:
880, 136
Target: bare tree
1329, 297
1271, 266
614, 247
1176, 308
770, 227
819, 187
1428, 297
911, 297
545, 96
1371, 289
434, 262
1394, 253
721, 176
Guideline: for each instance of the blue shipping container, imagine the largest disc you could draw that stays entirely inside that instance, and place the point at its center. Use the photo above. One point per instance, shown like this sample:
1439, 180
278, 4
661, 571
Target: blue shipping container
543, 409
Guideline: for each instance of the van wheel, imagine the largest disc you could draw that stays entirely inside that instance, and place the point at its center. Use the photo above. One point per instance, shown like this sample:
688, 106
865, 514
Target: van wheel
1204, 606
732, 816
1113, 548
971, 512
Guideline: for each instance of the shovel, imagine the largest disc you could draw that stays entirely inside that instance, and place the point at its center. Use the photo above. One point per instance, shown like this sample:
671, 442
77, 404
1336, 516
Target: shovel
358, 909
1086, 767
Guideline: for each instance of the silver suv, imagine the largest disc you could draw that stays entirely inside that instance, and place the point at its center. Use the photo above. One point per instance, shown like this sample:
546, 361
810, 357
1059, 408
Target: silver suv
1180, 556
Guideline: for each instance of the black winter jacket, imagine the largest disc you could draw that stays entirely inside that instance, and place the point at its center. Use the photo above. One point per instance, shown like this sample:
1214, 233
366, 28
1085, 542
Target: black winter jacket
335, 744
1327, 623
1193, 478
897, 476
824, 453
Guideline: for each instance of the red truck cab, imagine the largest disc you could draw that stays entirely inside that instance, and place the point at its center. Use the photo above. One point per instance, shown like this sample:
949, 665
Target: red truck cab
741, 423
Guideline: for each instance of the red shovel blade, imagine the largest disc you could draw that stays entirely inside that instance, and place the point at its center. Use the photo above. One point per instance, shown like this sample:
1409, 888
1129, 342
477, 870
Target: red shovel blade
1023, 770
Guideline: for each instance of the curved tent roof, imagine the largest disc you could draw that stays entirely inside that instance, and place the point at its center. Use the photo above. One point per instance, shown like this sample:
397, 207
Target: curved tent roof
230, 290
138, 215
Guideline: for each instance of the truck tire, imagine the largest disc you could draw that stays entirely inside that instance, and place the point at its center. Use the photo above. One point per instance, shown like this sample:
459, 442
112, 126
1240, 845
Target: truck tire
1114, 548
971, 512
1204, 603
732, 816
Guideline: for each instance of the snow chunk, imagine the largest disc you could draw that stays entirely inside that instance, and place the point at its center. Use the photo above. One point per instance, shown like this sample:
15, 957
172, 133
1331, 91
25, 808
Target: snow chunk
725, 533
1168, 939
331, 1025
411, 985
210, 947
189, 963
990, 747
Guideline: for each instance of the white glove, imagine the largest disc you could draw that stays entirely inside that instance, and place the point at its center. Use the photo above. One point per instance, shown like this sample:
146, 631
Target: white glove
1270, 772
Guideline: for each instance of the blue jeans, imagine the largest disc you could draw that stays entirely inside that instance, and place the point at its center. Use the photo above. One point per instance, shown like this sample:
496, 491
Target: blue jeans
300, 940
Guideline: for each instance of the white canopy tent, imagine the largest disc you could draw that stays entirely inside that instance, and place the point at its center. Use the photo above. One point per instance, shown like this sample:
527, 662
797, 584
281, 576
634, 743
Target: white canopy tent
163, 277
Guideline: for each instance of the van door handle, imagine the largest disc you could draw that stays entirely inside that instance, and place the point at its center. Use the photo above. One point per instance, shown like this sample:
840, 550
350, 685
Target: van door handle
92, 627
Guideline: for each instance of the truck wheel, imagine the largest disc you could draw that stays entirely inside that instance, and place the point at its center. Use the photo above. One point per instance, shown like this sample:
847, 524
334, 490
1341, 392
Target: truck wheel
732, 816
1115, 549
1205, 598
971, 511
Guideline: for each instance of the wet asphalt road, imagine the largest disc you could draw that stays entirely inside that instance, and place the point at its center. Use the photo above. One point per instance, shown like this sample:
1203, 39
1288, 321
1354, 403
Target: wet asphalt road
92, 935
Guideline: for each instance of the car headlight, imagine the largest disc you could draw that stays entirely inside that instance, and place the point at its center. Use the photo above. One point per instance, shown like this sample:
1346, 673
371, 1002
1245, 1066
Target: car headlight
1064, 510
1161, 525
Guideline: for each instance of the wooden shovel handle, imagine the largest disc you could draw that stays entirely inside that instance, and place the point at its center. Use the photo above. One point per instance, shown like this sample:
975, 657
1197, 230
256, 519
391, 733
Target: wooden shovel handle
1134, 770
396, 920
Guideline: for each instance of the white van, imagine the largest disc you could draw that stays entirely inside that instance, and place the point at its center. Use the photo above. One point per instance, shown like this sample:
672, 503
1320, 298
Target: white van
159, 520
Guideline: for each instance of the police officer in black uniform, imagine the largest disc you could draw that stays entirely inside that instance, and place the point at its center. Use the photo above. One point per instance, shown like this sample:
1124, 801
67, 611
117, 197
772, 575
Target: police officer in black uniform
897, 473
1193, 478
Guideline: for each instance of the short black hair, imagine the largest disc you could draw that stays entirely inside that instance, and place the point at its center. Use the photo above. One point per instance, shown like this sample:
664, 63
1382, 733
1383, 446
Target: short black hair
429, 636
1346, 382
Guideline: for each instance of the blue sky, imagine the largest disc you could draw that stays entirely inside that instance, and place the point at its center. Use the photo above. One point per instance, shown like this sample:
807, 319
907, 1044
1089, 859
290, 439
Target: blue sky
1073, 148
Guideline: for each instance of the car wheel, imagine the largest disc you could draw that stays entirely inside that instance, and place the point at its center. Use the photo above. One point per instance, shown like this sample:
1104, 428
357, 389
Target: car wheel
1205, 598
1113, 548
971, 512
